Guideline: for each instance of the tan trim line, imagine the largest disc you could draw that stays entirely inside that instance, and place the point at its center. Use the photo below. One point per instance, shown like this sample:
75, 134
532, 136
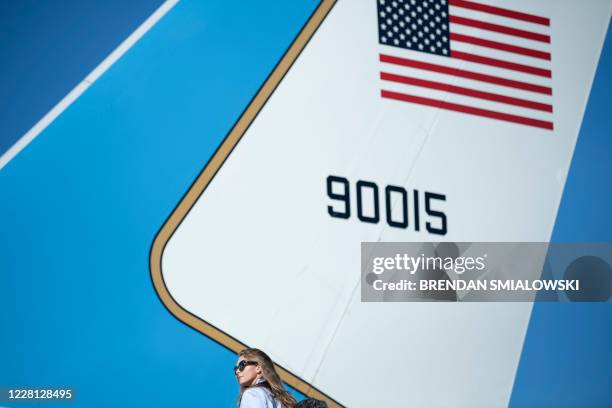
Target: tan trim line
206, 176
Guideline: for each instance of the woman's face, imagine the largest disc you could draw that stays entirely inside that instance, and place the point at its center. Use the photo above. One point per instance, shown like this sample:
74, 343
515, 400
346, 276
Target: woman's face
247, 372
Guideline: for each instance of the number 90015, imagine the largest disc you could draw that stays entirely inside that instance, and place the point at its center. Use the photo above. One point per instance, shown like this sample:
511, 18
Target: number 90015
368, 199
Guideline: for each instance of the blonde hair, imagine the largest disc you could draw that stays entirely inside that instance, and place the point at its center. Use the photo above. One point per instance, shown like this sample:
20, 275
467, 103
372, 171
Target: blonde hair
272, 380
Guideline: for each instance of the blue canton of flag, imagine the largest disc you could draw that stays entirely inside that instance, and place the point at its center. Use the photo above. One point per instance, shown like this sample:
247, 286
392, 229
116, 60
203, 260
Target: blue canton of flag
415, 25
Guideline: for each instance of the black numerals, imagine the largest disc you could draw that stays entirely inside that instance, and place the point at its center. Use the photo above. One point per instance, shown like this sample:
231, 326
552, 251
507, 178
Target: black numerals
399, 205
434, 213
334, 184
362, 192
402, 205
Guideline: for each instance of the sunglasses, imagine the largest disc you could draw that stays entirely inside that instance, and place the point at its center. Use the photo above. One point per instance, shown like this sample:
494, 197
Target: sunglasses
242, 365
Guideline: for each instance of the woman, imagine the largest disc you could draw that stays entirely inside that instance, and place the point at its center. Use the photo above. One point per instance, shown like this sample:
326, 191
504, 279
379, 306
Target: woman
260, 385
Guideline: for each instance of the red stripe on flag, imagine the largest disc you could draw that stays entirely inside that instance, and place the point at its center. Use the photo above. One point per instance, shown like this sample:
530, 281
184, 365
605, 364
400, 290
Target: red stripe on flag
467, 109
465, 91
465, 74
500, 46
498, 11
501, 64
500, 29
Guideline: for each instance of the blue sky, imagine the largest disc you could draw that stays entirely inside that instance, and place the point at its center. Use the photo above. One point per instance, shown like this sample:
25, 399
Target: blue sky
48, 47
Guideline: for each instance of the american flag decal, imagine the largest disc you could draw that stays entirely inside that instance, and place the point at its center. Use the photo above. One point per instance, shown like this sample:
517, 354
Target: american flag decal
467, 57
